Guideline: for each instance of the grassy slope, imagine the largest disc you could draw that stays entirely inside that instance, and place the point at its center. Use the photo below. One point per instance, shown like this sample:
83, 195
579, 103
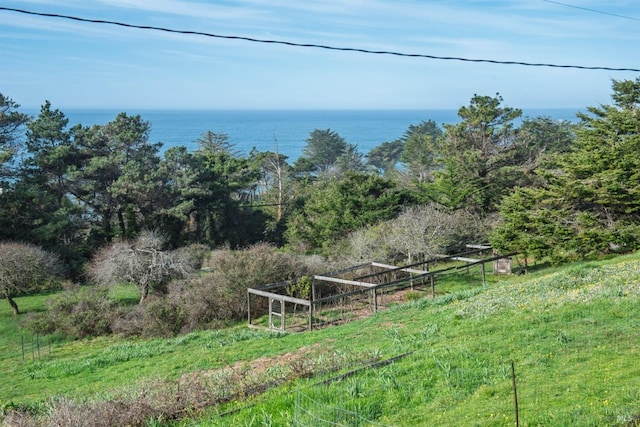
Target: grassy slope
573, 335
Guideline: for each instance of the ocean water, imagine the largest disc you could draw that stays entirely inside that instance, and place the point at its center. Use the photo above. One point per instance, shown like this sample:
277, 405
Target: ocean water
287, 130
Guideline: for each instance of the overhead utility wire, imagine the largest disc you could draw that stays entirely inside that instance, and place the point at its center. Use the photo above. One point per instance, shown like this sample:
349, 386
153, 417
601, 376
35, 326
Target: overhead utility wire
313, 45
592, 10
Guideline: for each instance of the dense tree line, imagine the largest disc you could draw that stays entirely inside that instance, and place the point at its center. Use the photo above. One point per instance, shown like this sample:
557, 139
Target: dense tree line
551, 189
585, 199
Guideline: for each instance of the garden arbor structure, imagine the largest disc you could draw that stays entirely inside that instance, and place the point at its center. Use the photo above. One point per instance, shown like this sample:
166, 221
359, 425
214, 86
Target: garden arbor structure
336, 297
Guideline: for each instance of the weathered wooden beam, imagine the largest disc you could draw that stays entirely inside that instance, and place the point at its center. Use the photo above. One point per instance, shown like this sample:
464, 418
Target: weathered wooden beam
481, 247
393, 267
279, 297
463, 259
483, 261
344, 281
345, 270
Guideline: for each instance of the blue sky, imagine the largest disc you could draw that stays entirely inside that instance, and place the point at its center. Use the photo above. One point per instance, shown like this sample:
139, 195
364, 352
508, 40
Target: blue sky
77, 64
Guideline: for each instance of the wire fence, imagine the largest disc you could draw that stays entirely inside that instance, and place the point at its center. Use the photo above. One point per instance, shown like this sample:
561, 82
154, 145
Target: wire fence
34, 347
310, 412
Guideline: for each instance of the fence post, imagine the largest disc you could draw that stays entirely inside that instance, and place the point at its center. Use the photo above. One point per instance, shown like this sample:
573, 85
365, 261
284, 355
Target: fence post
433, 286
270, 313
282, 312
375, 300
515, 393
248, 307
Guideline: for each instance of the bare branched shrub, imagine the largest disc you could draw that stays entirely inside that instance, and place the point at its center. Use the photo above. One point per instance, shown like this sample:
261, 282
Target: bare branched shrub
221, 294
67, 413
26, 268
159, 316
216, 296
143, 262
314, 264
422, 230
367, 245
18, 419
418, 232
191, 256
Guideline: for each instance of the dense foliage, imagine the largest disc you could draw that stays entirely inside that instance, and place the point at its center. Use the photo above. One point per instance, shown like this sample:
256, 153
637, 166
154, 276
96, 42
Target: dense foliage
586, 202
98, 184
539, 187
336, 207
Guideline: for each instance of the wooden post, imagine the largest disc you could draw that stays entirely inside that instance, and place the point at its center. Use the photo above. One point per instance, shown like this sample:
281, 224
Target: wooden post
484, 280
282, 322
433, 286
375, 300
249, 308
515, 393
311, 315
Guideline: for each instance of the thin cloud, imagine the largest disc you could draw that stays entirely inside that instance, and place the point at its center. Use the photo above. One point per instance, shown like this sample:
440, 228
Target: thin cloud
42, 27
182, 65
183, 8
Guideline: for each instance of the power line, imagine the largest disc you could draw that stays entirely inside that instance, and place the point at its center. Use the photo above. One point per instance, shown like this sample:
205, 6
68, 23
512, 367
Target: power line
313, 45
592, 10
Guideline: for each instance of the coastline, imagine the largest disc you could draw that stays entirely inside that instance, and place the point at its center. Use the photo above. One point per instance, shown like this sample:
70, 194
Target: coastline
288, 129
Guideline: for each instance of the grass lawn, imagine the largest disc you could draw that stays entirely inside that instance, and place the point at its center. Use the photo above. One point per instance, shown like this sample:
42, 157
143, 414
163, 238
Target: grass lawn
572, 335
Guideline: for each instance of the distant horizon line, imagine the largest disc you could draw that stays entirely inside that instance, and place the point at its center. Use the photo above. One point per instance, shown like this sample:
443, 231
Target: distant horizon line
124, 109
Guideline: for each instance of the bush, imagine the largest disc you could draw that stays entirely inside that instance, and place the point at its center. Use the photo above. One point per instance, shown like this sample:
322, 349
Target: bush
78, 313
158, 317
25, 269
221, 294
193, 255
209, 300
144, 262
117, 412
419, 232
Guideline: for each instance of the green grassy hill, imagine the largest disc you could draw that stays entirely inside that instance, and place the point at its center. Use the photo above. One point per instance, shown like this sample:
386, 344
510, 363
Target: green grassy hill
572, 335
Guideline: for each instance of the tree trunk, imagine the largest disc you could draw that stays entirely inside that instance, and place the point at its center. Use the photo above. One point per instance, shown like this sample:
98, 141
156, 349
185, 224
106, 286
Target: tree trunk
13, 305
106, 224
144, 291
123, 228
